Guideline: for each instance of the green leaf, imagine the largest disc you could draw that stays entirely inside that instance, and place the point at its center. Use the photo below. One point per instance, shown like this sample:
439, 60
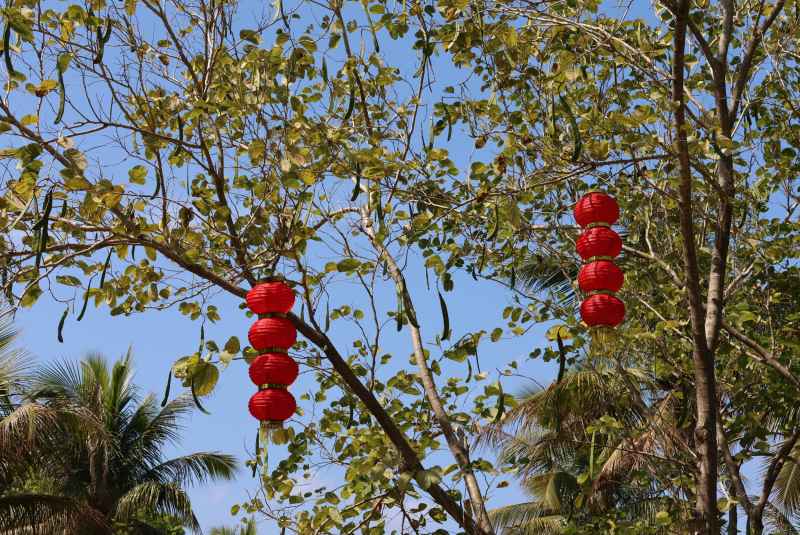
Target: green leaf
130, 7
251, 36
347, 265
62, 64
232, 345
427, 478
137, 174
68, 280
204, 378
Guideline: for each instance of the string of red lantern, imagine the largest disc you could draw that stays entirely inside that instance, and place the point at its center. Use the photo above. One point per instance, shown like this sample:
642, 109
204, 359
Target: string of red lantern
272, 335
600, 278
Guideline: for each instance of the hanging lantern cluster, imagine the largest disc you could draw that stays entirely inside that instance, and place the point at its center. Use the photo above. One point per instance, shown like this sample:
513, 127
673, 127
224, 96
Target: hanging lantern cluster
272, 335
599, 278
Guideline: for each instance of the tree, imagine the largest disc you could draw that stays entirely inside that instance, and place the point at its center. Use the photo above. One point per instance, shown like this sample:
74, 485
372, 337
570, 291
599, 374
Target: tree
685, 114
586, 452
247, 528
303, 144
111, 477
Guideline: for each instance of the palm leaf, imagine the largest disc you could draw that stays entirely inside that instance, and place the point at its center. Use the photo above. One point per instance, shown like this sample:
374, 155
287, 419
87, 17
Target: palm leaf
528, 517
39, 514
780, 520
196, 468
539, 273
788, 483
157, 498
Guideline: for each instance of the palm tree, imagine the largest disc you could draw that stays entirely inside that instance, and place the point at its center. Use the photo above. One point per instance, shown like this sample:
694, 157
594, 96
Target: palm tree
248, 527
104, 470
573, 474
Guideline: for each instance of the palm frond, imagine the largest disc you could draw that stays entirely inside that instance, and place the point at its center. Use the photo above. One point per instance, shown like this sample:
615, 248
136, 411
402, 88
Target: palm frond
14, 364
528, 517
62, 380
196, 468
223, 530
165, 426
582, 396
780, 520
121, 391
39, 514
538, 274
157, 498
788, 483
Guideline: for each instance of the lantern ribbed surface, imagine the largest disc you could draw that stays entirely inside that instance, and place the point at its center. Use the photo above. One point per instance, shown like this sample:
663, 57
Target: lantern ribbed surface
272, 332
600, 275
272, 335
273, 368
598, 244
272, 405
268, 297
602, 310
598, 241
596, 207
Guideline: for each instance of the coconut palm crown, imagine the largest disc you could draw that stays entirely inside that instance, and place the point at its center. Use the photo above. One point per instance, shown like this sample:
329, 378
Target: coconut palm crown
104, 470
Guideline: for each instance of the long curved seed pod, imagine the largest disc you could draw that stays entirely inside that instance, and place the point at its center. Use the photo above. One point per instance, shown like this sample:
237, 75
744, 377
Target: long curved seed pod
85, 301
102, 39
258, 446
166, 390
61, 326
399, 314
357, 187
105, 269
62, 97
48, 205
496, 227
445, 318
197, 400
7, 50
449, 123
351, 104
44, 223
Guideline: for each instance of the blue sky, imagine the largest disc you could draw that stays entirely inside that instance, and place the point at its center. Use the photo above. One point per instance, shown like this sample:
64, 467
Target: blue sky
158, 338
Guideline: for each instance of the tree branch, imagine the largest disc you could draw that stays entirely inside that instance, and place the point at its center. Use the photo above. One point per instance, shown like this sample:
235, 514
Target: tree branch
456, 445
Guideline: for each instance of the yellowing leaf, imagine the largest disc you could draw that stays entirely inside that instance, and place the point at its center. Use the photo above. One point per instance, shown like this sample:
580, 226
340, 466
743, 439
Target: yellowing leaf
137, 174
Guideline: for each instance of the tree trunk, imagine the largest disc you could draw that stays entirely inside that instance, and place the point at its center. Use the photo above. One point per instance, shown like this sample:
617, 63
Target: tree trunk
733, 521
703, 358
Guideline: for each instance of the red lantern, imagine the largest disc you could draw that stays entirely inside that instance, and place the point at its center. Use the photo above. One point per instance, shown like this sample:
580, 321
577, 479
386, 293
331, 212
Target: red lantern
599, 241
596, 207
274, 369
602, 310
600, 275
269, 297
272, 405
272, 332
